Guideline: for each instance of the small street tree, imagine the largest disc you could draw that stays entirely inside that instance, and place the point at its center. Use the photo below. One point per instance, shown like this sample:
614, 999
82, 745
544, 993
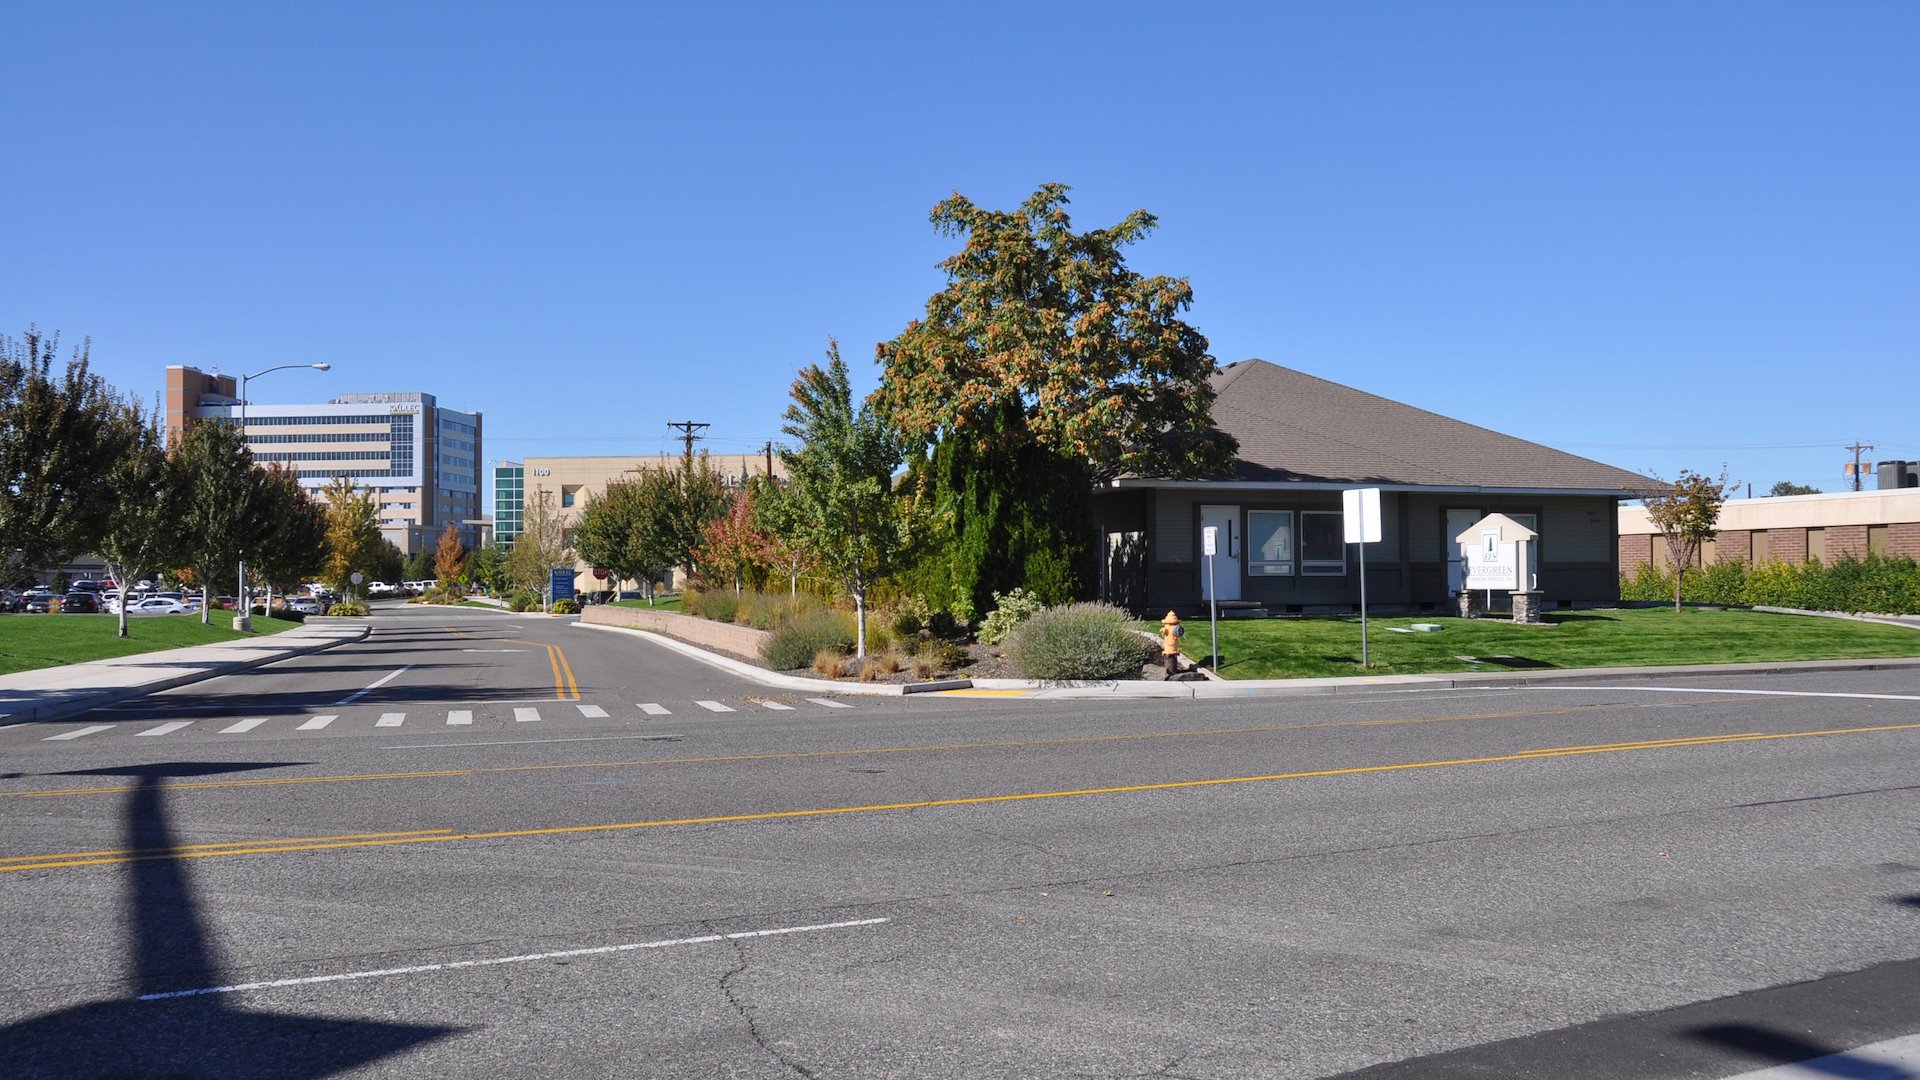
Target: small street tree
488, 566
732, 546
840, 481
774, 516
1686, 512
143, 531
542, 546
353, 540
449, 563
217, 520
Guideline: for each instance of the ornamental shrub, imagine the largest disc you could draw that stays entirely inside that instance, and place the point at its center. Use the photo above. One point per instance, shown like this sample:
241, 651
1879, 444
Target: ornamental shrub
908, 616
795, 644
352, 608
1723, 582
1078, 641
524, 600
1009, 611
566, 606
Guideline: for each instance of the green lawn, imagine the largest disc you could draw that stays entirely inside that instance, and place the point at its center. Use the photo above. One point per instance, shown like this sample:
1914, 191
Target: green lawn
38, 641
660, 603
1317, 647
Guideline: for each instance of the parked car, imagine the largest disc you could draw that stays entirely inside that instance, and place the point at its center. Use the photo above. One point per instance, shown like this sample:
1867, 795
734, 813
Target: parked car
11, 601
156, 605
305, 605
80, 603
37, 602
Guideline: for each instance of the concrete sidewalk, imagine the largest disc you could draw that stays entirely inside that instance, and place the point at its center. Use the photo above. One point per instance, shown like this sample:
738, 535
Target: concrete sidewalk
56, 693
1247, 688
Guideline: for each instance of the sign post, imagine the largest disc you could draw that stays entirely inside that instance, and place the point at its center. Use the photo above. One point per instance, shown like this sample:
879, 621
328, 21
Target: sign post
559, 585
1361, 516
1208, 541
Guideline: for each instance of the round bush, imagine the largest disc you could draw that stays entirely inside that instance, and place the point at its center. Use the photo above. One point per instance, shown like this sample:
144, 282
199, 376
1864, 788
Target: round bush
1077, 641
352, 609
566, 606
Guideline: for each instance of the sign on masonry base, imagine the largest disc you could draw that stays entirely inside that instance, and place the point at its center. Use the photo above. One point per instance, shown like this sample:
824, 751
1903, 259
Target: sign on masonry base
560, 582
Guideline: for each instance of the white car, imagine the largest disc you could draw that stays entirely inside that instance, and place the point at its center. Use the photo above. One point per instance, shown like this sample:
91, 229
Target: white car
156, 605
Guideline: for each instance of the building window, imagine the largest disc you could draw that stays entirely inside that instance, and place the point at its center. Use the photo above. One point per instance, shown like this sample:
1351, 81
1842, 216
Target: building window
1877, 539
1323, 545
1817, 545
1270, 542
567, 494
1762, 547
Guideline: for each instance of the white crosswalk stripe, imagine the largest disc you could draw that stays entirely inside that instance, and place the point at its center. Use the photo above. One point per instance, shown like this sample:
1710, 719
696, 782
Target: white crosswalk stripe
317, 723
78, 733
830, 703
166, 728
526, 714
460, 716
776, 706
592, 712
651, 709
390, 719
243, 726
714, 706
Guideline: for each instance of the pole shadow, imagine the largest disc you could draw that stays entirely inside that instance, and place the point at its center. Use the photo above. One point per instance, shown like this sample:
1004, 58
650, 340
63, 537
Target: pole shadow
1780, 1048
186, 1038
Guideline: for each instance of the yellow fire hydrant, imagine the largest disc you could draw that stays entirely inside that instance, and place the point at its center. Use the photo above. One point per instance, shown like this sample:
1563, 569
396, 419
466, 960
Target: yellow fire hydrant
1170, 634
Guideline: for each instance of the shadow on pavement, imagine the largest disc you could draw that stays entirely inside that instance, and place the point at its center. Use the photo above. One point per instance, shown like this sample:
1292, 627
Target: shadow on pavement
207, 1035
1780, 1048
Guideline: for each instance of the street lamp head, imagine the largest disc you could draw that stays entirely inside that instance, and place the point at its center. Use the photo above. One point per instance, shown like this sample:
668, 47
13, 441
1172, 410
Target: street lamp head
322, 367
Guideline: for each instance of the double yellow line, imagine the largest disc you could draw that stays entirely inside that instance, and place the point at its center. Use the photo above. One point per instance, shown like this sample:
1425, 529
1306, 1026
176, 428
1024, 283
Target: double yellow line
564, 688
320, 843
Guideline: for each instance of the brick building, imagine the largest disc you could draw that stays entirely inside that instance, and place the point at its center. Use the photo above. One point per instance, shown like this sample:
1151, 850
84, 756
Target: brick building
1791, 528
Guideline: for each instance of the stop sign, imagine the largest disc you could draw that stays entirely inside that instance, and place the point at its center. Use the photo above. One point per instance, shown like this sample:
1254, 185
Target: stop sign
599, 573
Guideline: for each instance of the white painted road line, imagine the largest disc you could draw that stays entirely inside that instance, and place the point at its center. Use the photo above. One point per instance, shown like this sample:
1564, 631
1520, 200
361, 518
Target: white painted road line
662, 736
592, 712
377, 684
651, 709
460, 716
419, 969
317, 723
390, 719
830, 703
526, 715
713, 706
1752, 693
244, 725
78, 733
169, 726
776, 706
1888, 1060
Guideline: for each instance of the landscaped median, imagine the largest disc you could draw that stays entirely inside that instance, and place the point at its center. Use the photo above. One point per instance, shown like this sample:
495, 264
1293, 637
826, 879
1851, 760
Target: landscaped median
30, 642
1320, 647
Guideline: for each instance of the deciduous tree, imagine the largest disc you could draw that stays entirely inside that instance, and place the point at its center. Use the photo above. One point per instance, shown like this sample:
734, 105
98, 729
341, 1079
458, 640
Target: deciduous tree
449, 562
60, 434
143, 530
629, 528
1686, 511
217, 519
290, 531
839, 478
353, 540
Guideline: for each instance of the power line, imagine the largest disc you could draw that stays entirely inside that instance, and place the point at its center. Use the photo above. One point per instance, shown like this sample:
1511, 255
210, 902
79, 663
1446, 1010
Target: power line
689, 430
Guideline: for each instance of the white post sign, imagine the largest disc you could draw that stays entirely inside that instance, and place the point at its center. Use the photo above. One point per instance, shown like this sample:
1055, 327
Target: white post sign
1209, 540
1361, 515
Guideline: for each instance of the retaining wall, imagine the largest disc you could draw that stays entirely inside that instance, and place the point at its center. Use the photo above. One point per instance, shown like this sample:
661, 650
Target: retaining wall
738, 640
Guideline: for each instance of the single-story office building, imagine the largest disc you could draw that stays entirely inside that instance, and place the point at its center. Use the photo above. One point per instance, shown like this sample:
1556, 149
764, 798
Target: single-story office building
1303, 440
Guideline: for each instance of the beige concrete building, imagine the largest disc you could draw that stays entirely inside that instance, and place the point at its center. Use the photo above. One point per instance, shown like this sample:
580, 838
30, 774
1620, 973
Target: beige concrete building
571, 481
1791, 528
421, 460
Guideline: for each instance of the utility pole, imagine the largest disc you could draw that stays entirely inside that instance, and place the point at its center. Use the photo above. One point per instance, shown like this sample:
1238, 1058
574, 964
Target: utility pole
1858, 448
769, 452
687, 429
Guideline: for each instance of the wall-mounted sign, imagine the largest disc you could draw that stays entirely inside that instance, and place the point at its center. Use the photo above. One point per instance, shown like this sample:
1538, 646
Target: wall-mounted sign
543, 472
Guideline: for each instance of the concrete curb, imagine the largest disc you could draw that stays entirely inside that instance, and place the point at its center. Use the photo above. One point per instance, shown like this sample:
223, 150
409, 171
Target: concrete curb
87, 700
764, 677
1222, 688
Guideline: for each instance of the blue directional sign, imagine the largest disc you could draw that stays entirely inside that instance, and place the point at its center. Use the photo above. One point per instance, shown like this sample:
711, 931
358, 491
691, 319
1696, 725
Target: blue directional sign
561, 582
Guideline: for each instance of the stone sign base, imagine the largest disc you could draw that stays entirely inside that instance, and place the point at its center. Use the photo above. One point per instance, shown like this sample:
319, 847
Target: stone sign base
1470, 603
1526, 606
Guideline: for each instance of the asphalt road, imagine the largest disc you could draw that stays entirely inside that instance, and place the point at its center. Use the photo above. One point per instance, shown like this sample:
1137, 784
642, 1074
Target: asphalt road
1685, 879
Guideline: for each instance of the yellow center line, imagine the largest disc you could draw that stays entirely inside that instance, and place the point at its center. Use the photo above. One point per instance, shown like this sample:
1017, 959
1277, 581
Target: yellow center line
553, 661
79, 859
451, 630
217, 848
796, 755
573, 688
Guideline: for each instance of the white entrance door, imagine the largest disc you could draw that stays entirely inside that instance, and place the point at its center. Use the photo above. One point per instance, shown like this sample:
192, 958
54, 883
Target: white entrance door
1225, 520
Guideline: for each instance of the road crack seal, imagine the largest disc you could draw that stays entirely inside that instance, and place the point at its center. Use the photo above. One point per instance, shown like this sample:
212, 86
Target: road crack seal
746, 1011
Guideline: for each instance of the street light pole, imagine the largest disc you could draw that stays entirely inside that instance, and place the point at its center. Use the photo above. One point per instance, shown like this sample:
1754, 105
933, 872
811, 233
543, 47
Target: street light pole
244, 620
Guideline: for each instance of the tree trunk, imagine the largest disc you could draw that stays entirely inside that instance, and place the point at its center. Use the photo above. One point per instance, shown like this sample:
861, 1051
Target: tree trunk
206, 604
1679, 575
860, 623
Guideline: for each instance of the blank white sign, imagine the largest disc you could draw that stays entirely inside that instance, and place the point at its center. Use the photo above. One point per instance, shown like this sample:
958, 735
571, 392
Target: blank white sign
1361, 515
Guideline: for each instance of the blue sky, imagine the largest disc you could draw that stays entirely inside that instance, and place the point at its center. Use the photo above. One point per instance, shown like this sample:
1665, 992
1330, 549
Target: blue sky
1660, 235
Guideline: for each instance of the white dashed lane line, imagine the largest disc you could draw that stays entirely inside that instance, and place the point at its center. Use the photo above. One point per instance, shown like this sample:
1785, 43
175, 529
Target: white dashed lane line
316, 723
651, 709
166, 728
243, 726
80, 733
460, 716
714, 706
592, 712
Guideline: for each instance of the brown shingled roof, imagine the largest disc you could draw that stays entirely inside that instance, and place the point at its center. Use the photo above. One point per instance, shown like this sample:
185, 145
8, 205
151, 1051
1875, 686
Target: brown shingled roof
1298, 428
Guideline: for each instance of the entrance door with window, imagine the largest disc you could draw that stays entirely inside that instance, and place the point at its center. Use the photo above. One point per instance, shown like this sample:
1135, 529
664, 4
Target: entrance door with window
1226, 552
